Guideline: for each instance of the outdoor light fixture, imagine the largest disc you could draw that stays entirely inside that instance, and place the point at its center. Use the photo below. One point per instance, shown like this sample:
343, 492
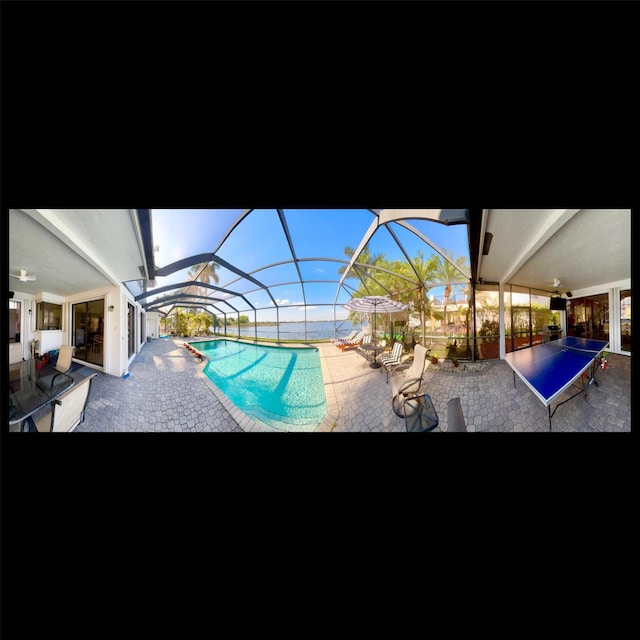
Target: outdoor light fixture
488, 237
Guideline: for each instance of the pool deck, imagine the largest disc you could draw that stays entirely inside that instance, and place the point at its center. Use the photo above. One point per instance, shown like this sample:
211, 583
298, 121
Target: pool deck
167, 391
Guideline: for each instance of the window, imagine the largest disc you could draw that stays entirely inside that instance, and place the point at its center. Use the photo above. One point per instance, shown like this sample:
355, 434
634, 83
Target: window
48, 316
14, 321
526, 314
625, 320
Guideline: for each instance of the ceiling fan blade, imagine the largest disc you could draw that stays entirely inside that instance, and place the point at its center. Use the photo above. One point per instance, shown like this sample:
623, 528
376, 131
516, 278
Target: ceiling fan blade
22, 276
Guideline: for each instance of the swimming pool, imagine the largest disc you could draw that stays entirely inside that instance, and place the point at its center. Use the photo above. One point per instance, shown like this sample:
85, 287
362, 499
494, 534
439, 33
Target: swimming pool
281, 386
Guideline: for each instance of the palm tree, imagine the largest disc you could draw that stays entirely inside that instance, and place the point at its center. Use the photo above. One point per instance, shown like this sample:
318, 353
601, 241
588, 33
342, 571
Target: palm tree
449, 271
422, 272
203, 272
364, 258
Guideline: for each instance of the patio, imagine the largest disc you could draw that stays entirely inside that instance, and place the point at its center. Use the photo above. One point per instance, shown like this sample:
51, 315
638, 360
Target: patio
167, 392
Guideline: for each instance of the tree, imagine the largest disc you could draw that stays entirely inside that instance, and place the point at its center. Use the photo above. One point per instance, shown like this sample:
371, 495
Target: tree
181, 322
449, 272
204, 272
364, 258
422, 273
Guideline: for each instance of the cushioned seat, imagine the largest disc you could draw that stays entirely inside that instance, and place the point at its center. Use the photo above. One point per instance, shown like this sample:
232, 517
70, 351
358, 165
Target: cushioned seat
390, 362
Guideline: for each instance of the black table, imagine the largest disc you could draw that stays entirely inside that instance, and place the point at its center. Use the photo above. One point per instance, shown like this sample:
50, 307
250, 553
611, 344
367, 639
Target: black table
418, 412
32, 385
375, 349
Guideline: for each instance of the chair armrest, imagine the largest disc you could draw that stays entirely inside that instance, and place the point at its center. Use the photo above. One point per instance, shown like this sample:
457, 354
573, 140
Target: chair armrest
402, 367
407, 384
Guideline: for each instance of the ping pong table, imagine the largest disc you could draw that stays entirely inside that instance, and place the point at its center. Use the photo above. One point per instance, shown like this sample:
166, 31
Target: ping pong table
552, 367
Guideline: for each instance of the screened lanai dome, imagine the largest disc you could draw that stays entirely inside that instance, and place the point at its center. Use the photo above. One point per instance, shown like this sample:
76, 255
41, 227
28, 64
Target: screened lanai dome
301, 265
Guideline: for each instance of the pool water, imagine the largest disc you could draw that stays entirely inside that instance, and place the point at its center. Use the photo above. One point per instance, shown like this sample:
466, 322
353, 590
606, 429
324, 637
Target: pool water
281, 386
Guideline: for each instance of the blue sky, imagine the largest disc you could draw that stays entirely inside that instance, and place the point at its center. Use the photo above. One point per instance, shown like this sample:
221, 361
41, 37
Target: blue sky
259, 240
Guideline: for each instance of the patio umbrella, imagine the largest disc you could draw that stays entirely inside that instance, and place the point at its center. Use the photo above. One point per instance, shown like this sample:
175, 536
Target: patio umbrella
375, 304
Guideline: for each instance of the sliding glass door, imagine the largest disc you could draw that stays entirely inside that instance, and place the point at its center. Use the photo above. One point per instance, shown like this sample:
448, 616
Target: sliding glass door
88, 331
625, 320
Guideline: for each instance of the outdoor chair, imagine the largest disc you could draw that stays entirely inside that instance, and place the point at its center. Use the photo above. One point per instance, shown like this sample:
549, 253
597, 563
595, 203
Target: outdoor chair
95, 343
390, 362
67, 412
409, 384
347, 344
351, 336
63, 364
359, 348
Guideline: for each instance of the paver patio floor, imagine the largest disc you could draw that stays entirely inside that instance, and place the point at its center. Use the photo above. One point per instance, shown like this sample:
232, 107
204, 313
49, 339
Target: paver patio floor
167, 391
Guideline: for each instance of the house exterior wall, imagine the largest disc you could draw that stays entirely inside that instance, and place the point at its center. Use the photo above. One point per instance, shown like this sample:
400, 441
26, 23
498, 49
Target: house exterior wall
153, 324
116, 355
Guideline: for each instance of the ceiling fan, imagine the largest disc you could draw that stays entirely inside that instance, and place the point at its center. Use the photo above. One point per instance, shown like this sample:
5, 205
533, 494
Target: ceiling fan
23, 277
556, 283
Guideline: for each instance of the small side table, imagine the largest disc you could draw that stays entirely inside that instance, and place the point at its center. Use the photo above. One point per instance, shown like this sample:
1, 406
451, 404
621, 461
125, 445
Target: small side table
419, 413
375, 350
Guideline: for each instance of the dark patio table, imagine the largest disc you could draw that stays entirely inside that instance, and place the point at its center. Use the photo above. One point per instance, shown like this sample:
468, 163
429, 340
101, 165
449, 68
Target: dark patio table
375, 350
32, 385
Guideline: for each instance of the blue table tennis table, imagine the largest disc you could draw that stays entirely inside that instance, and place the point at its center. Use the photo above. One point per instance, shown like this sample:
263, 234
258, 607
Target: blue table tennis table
552, 367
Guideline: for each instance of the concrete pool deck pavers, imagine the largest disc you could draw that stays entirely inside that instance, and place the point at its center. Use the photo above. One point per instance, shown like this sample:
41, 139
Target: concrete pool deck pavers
167, 391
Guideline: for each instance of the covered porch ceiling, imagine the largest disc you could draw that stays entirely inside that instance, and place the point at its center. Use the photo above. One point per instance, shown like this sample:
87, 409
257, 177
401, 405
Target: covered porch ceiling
75, 250
582, 248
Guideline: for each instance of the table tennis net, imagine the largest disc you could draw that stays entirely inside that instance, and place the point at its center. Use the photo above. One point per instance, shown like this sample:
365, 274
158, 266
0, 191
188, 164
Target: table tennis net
565, 347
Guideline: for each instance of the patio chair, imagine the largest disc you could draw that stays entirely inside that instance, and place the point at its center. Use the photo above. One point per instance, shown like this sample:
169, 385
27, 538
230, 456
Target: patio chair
354, 342
64, 358
63, 364
351, 336
95, 344
366, 339
390, 362
67, 412
402, 387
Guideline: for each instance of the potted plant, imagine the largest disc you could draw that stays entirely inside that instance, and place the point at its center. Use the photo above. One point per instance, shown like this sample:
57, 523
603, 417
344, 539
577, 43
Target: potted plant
434, 357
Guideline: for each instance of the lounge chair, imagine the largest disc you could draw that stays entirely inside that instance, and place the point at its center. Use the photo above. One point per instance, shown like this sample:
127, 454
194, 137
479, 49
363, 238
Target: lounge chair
67, 411
354, 342
351, 336
409, 384
390, 362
